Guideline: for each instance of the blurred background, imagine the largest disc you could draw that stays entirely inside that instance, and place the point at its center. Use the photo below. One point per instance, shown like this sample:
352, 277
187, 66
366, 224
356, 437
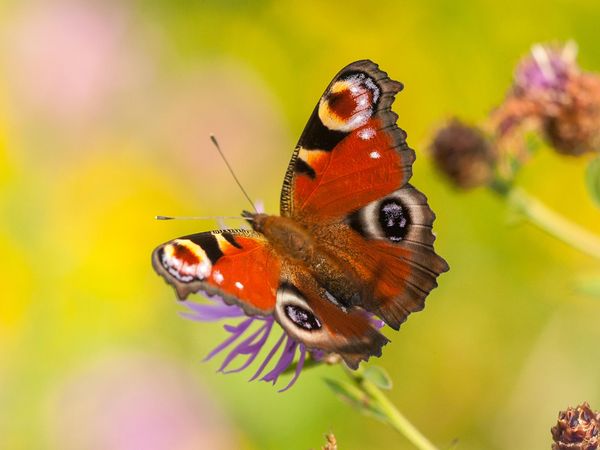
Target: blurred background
105, 111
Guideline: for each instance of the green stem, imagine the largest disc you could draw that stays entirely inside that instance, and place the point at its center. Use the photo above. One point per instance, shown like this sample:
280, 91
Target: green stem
553, 223
394, 417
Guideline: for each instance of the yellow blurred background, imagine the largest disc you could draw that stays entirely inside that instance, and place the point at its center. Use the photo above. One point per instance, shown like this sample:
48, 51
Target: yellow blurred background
105, 111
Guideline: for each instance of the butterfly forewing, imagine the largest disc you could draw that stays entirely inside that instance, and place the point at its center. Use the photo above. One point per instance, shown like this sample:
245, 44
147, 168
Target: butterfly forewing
351, 151
238, 265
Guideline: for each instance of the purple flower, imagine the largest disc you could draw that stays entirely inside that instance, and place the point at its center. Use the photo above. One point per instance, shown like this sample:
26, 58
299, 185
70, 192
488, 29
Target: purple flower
552, 96
250, 346
246, 340
546, 69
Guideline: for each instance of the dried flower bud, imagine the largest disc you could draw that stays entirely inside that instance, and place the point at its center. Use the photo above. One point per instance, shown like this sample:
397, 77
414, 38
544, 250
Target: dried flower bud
331, 442
573, 127
577, 429
515, 115
464, 154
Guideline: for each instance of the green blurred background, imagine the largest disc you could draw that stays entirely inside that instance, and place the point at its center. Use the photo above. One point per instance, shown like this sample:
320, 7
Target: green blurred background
105, 109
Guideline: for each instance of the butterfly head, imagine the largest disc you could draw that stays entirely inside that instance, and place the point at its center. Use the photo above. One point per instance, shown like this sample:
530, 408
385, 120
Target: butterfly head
286, 235
255, 219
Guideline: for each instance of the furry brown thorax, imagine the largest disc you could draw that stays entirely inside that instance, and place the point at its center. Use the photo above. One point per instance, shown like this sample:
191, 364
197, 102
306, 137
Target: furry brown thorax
290, 239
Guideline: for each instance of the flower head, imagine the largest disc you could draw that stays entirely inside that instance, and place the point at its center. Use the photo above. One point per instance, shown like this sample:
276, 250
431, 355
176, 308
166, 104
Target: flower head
553, 97
546, 69
540, 82
246, 341
577, 429
464, 154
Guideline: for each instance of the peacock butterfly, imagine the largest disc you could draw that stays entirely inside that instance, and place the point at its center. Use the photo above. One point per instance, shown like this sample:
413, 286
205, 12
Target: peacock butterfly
353, 234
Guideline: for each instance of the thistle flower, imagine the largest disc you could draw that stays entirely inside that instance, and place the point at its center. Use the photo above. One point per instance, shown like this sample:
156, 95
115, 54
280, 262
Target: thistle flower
539, 85
552, 96
546, 70
464, 154
577, 429
247, 339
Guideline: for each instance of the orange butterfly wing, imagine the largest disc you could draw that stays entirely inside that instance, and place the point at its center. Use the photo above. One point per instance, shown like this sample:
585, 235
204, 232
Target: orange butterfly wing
242, 268
347, 182
348, 333
389, 243
238, 265
351, 151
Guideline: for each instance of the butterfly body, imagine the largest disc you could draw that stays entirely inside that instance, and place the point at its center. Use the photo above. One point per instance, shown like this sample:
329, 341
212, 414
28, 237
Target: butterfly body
301, 250
354, 237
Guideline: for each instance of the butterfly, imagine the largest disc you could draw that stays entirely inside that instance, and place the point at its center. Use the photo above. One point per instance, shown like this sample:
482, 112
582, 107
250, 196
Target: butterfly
353, 239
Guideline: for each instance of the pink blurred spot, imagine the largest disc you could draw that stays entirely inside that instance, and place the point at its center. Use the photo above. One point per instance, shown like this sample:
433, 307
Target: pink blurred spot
66, 57
136, 402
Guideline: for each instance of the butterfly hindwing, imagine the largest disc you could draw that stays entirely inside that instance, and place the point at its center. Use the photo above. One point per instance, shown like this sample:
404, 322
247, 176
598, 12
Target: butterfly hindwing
389, 245
238, 265
351, 151
310, 315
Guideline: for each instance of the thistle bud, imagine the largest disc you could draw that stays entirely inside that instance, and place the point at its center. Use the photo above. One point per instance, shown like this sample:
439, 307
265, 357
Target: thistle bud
573, 127
464, 154
577, 429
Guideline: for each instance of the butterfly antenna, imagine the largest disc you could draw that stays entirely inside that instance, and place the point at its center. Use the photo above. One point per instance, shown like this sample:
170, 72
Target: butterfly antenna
198, 217
216, 144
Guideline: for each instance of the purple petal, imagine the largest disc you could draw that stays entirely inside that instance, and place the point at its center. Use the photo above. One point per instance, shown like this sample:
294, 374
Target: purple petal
299, 367
269, 357
317, 354
236, 331
260, 206
547, 68
248, 347
210, 312
377, 323
285, 360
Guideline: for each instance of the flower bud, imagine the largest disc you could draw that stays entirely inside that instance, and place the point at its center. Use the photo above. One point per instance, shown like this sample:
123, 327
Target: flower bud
573, 127
577, 429
464, 154
331, 442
